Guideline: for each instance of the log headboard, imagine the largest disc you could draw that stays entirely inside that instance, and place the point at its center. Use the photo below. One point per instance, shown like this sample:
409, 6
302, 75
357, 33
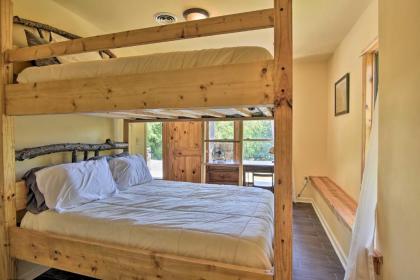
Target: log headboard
29, 153
34, 152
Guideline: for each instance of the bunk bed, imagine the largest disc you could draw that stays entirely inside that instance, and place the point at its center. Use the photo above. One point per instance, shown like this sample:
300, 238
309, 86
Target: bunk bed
237, 86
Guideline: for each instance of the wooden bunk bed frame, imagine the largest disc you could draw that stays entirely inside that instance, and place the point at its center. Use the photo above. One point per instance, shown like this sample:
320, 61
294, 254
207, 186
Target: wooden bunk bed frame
265, 83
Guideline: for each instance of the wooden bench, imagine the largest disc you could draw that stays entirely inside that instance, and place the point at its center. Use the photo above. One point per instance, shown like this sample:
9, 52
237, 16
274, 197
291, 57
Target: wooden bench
342, 205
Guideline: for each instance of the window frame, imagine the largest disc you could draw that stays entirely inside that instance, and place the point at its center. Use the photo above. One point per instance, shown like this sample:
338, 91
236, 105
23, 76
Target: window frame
244, 140
370, 73
236, 141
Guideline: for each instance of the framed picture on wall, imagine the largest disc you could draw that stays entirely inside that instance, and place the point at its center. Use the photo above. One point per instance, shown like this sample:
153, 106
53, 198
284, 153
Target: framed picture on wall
342, 91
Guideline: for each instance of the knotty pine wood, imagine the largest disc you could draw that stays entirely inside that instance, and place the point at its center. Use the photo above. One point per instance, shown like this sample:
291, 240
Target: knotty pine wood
7, 152
342, 205
21, 195
206, 27
283, 56
314, 256
111, 261
182, 151
223, 86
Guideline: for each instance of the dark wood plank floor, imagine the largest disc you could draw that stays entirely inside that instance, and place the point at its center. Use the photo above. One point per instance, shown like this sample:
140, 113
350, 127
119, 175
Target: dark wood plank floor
313, 255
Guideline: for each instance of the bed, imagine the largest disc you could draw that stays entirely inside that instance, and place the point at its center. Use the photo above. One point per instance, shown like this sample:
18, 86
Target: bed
172, 61
219, 223
264, 83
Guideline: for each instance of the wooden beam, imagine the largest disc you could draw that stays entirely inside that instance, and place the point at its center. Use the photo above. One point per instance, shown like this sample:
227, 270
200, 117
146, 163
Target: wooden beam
244, 112
183, 30
208, 112
283, 60
131, 115
21, 195
179, 113
265, 111
49, 28
148, 114
200, 119
234, 85
111, 261
7, 152
113, 115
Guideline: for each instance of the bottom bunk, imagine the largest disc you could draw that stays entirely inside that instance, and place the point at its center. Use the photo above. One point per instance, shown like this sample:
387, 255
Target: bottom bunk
111, 261
152, 230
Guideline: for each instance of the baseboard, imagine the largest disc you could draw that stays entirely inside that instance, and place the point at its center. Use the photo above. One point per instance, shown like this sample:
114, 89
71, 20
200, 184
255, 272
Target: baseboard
336, 245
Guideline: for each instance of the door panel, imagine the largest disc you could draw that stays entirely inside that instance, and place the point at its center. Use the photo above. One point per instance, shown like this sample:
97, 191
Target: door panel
182, 151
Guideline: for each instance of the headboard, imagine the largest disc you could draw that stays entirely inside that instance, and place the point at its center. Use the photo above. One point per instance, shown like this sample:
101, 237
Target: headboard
74, 148
34, 152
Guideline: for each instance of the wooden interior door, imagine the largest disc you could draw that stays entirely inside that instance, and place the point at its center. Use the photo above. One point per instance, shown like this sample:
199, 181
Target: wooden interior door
182, 151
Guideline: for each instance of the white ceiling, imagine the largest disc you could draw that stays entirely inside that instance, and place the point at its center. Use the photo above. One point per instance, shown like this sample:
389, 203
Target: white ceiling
319, 25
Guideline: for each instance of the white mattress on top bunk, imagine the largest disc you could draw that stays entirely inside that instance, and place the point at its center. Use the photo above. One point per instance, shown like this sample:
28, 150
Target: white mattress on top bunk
222, 223
145, 63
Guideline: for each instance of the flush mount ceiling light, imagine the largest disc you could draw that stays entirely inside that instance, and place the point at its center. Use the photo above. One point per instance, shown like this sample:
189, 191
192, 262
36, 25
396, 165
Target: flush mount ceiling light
195, 14
165, 18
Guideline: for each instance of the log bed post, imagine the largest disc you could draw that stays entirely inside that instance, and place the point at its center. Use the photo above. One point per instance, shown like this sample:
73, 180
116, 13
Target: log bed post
283, 139
7, 158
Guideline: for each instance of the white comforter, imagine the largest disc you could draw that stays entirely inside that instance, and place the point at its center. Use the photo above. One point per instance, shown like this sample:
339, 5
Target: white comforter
223, 223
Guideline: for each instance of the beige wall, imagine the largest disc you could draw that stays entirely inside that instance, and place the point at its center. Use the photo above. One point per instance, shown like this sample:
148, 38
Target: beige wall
399, 138
49, 12
137, 138
344, 136
325, 144
41, 130
309, 118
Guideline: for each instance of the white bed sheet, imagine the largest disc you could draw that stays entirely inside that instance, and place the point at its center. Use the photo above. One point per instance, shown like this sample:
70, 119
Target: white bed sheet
222, 223
143, 64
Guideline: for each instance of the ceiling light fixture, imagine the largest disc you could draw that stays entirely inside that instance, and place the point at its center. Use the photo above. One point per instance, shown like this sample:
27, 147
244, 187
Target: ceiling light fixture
195, 14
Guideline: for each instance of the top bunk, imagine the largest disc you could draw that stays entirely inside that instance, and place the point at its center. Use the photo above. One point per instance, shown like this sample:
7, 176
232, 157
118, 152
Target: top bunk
206, 84
160, 62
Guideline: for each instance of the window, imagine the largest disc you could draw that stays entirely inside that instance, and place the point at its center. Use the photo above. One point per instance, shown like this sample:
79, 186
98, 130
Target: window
221, 142
154, 149
258, 140
370, 84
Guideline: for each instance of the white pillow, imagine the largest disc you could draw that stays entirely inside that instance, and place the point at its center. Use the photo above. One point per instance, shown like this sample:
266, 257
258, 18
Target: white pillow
89, 56
129, 171
69, 185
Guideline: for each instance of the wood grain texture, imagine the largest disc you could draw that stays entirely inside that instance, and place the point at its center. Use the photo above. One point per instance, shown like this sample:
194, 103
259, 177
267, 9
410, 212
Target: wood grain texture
183, 151
222, 86
7, 152
183, 30
314, 256
283, 56
49, 28
21, 195
110, 261
29, 153
340, 203
224, 174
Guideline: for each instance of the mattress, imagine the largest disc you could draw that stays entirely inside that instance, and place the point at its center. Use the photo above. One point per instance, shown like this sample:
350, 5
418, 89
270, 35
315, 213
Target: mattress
221, 223
143, 64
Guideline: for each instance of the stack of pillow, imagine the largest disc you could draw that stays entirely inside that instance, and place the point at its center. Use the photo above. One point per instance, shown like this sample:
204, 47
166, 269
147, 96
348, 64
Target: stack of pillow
66, 186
